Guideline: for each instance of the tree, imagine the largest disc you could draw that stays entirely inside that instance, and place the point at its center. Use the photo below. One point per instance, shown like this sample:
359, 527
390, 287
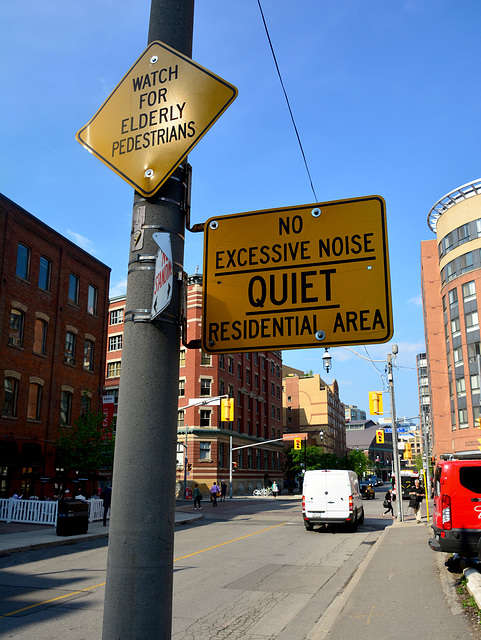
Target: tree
357, 461
313, 457
87, 445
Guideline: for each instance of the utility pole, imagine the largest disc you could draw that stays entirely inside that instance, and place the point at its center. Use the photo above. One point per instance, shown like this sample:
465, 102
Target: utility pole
138, 592
397, 466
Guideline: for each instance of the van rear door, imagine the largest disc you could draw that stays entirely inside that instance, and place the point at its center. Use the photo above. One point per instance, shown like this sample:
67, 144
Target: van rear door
315, 493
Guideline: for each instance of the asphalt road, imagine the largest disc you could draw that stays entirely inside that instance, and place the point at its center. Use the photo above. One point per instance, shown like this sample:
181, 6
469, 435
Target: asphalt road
247, 570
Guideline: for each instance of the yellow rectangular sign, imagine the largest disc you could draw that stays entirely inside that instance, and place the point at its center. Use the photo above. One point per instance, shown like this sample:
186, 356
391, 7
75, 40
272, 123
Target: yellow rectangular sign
298, 277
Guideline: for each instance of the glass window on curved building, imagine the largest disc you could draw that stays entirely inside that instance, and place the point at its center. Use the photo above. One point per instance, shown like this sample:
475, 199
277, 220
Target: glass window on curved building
469, 291
473, 351
471, 320
466, 262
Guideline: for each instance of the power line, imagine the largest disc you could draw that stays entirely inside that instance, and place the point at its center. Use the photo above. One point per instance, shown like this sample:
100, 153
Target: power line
287, 100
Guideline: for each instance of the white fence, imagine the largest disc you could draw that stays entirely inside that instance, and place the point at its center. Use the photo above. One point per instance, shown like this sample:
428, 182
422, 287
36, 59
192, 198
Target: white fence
42, 511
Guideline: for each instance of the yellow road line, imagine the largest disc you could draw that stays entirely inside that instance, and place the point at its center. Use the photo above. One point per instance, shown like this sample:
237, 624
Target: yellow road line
102, 584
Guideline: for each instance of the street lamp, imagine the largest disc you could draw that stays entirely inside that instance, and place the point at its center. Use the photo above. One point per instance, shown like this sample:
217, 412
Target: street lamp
326, 360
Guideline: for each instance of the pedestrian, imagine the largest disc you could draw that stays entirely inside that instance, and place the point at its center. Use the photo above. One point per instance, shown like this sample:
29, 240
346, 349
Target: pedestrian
106, 496
275, 489
223, 491
388, 500
214, 490
416, 499
197, 496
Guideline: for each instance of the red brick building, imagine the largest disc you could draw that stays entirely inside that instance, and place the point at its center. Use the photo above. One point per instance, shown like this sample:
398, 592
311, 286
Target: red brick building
254, 380
451, 279
53, 331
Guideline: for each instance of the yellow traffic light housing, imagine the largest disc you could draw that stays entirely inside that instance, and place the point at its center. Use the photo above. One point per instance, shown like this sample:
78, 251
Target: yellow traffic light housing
297, 443
379, 436
375, 403
227, 410
407, 451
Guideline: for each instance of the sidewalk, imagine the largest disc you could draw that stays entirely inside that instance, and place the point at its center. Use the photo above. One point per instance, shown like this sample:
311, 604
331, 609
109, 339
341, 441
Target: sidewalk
402, 589
26, 537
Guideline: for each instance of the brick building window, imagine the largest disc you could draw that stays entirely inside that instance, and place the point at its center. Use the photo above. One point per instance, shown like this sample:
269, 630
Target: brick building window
73, 288
113, 369
44, 274
89, 355
180, 418
181, 388
92, 300
115, 343
205, 416
205, 359
34, 401
23, 261
70, 342
40, 337
205, 386
182, 358
204, 452
17, 324
10, 395
117, 316
66, 408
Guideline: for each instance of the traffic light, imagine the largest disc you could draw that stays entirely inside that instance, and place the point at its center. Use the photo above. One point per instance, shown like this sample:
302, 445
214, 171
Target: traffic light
478, 422
227, 409
234, 466
189, 466
375, 403
407, 451
297, 443
379, 436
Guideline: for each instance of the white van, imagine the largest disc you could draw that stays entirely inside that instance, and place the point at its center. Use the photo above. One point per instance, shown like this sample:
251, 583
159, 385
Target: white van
332, 496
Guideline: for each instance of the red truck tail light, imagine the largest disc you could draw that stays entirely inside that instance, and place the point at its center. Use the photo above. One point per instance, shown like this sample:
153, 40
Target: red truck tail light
446, 512
351, 503
303, 503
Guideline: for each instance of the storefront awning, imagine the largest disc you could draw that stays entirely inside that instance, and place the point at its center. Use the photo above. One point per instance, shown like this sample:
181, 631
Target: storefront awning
8, 453
32, 455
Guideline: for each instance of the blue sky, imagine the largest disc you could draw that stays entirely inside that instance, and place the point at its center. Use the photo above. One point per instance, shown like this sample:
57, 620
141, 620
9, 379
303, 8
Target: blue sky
385, 95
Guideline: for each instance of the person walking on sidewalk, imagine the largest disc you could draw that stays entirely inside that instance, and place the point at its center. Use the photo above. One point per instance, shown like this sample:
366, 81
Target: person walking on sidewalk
197, 496
223, 491
416, 499
274, 489
387, 504
214, 490
106, 496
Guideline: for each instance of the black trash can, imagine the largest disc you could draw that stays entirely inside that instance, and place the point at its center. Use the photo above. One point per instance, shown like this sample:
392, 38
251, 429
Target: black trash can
72, 517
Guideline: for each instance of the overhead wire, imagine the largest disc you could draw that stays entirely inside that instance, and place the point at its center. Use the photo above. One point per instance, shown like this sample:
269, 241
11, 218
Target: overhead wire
287, 100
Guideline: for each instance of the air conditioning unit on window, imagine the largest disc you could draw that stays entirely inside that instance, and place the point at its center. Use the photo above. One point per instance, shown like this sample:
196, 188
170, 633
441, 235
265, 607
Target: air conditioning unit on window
69, 360
16, 342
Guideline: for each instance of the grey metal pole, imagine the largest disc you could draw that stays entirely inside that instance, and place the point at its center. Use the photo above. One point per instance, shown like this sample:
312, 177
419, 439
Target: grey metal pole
397, 468
138, 592
230, 467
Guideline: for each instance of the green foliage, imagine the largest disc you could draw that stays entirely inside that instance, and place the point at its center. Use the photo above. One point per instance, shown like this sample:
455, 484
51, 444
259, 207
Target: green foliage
87, 445
357, 461
315, 458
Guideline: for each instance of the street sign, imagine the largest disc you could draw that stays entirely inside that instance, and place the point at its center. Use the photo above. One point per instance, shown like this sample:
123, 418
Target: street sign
308, 276
164, 275
153, 118
399, 430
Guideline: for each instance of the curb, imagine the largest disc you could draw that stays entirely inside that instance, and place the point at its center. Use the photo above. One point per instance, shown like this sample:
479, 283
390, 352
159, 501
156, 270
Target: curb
474, 583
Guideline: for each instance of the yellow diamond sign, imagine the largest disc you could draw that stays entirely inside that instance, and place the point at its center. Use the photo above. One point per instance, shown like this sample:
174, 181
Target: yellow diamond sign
306, 276
155, 116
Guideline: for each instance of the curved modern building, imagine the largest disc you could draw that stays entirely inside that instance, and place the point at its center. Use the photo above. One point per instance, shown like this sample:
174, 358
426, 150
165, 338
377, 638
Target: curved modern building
451, 287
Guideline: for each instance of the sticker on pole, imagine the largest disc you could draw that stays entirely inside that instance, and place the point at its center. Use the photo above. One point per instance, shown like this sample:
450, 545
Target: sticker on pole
164, 275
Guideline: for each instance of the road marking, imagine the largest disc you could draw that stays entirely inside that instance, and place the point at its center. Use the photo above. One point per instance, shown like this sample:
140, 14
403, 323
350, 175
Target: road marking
102, 584
229, 541
67, 595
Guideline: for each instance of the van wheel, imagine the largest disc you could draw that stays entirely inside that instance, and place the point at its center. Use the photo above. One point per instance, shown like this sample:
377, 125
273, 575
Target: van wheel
361, 519
352, 526
308, 525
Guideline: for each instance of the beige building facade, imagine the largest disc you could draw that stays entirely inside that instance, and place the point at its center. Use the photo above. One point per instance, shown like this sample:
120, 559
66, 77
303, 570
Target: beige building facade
312, 406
